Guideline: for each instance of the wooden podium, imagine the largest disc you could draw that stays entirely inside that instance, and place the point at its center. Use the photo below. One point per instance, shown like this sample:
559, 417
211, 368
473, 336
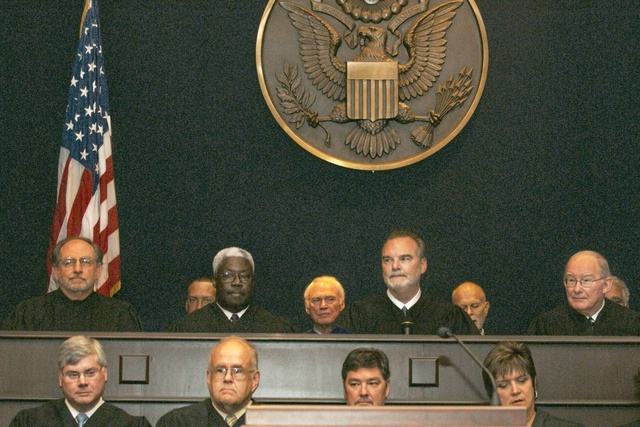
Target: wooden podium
431, 416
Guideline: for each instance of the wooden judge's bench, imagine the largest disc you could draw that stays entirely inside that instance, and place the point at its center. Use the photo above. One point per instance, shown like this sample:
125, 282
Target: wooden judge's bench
433, 380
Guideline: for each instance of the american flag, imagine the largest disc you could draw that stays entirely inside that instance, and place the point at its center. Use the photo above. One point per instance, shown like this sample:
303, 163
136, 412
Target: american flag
86, 204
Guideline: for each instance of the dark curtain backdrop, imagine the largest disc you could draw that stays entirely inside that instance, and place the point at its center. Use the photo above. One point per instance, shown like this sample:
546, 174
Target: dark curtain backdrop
548, 165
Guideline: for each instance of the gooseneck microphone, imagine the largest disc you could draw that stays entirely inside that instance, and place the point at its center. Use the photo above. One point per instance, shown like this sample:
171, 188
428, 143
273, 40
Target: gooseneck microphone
445, 332
407, 327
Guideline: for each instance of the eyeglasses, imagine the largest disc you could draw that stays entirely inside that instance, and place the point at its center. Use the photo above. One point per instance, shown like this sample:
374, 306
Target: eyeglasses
204, 300
571, 282
85, 262
228, 276
237, 373
88, 374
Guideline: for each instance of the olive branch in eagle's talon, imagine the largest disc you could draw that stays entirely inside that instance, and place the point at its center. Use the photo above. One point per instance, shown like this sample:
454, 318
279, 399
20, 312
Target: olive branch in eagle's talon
296, 101
453, 93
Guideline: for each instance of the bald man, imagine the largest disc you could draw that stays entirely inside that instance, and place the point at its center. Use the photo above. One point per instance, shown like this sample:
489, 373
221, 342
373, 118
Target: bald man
471, 298
586, 311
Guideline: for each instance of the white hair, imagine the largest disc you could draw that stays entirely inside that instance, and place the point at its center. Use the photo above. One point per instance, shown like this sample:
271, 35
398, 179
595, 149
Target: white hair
229, 252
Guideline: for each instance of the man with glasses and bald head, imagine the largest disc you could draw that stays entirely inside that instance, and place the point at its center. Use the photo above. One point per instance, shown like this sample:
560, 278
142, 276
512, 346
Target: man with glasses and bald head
233, 310
75, 306
232, 378
587, 312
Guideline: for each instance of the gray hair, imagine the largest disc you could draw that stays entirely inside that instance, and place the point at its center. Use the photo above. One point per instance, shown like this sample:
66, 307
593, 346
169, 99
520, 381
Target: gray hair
55, 254
422, 246
329, 280
252, 350
77, 348
619, 283
230, 252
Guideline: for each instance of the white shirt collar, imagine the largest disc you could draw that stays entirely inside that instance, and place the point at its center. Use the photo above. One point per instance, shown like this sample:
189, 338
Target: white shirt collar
400, 304
75, 412
595, 315
229, 313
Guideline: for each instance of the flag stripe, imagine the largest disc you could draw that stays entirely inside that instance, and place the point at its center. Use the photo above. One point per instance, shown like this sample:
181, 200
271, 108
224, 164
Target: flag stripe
86, 204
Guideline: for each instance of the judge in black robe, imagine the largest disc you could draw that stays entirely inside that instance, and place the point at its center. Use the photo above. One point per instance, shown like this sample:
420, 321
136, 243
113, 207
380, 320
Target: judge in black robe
379, 315
76, 266
233, 274
56, 414
211, 318
201, 414
56, 312
613, 320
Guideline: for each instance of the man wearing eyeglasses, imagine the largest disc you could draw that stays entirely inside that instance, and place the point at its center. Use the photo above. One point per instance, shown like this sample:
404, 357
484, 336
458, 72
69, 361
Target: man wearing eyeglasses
74, 306
586, 312
232, 378
470, 297
233, 311
82, 375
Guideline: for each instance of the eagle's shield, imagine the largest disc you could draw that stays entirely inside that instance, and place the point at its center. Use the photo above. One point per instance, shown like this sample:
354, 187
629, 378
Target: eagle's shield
372, 90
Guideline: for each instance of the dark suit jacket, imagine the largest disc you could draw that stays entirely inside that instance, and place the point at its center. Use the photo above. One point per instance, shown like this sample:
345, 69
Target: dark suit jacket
201, 414
56, 414
564, 320
211, 318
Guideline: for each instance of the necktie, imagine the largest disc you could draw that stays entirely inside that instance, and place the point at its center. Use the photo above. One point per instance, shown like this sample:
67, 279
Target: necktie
234, 319
231, 418
404, 310
81, 419
592, 321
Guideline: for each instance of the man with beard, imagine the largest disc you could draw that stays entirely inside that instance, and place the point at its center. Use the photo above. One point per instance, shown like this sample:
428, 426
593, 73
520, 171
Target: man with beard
233, 312
403, 306
232, 378
74, 306
82, 375
366, 377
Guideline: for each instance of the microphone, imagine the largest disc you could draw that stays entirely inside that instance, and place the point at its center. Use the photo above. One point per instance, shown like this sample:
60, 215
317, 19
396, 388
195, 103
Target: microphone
407, 327
445, 332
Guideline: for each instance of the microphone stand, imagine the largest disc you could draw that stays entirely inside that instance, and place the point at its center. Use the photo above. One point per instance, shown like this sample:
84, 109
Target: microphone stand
445, 332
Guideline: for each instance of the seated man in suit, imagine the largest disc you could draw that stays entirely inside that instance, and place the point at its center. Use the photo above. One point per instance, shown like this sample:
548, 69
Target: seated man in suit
201, 292
74, 306
586, 311
366, 377
471, 298
404, 307
82, 374
232, 378
323, 302
233, 311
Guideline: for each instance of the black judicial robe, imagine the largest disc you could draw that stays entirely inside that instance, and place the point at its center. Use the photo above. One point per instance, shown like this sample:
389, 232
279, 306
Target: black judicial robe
543, 419
201, 414
56, 414
55, 312
378, 315
613, 320
211, 318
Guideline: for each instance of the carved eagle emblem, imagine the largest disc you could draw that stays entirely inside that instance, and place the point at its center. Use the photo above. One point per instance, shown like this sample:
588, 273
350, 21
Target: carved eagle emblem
372, 88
